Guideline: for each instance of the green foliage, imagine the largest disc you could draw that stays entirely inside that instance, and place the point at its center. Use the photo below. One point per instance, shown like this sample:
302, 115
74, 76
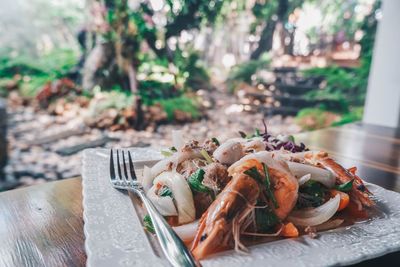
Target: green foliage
151, 91
355, 114
36, 72
54, 64
190, 15
192, 71
244, 72
347, 86
181, 103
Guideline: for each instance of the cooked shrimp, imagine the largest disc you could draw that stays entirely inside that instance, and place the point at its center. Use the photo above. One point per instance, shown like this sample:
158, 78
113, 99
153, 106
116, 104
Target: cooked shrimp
359, 193
216, 225
228, 215
285, 185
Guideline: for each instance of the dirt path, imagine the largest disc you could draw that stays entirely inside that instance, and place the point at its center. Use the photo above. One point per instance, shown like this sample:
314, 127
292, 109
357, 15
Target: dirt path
45, 147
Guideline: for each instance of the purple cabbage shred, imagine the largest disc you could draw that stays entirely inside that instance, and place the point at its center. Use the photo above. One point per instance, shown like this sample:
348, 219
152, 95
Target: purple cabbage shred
272, 143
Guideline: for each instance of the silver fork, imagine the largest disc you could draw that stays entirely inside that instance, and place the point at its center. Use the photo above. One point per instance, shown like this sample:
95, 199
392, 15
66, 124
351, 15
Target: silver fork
173, 247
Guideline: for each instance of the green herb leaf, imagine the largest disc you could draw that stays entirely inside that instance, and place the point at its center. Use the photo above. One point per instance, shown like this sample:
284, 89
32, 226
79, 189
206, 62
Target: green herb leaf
346, 187
215, 141
173, 149
205, 155
256, 133
311, 194
265, 218
253, 173
165, 192
148, 224
268, 186
195, 180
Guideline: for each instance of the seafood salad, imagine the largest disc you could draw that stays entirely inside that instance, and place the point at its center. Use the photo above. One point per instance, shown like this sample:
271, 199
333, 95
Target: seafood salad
254, 188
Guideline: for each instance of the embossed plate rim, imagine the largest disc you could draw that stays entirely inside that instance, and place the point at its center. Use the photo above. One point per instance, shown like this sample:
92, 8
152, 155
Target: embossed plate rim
336, 247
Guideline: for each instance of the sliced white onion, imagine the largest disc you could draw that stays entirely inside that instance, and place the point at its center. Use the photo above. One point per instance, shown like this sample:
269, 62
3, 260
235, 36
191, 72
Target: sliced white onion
323, 176
188, 231
146, 179
164, 205
177, 139
182, 195
304, 179
229, 152
315, 216
173, 161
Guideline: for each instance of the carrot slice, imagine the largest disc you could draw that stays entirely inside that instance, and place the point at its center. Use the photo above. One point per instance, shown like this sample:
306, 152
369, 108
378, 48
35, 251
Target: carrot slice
289, 230
344, 198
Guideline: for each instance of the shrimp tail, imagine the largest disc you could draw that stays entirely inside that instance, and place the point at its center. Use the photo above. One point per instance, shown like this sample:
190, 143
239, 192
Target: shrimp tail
359, 193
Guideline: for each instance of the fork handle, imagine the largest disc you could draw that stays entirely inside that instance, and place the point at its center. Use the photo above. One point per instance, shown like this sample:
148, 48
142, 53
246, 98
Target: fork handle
173, 247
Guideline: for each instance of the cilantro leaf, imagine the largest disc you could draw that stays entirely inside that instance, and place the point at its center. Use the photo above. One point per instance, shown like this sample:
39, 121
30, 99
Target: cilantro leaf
346, 187
268, 186
195, 181
311, 194
215, 141
265, 218
165, 192
254, 173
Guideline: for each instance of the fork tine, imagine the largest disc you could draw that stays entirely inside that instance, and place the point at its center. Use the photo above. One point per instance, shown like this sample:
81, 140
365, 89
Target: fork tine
132, 168
112, 169
126, 177
119, 166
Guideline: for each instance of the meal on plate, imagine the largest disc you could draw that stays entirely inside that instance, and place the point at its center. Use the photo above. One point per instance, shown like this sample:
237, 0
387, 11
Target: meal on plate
254, 188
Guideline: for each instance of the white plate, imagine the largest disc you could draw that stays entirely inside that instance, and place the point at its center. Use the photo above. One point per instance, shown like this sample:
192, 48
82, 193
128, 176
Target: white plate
115, 236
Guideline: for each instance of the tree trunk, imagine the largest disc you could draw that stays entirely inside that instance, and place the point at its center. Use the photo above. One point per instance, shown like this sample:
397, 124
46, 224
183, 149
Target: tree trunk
265, 43
133, 84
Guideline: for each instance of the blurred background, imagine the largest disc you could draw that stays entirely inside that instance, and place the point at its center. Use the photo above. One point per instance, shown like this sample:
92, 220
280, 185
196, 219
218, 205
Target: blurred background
99, 73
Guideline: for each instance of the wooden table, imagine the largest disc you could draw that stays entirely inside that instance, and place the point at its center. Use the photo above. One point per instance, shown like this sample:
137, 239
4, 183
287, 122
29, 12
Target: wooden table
42, 225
